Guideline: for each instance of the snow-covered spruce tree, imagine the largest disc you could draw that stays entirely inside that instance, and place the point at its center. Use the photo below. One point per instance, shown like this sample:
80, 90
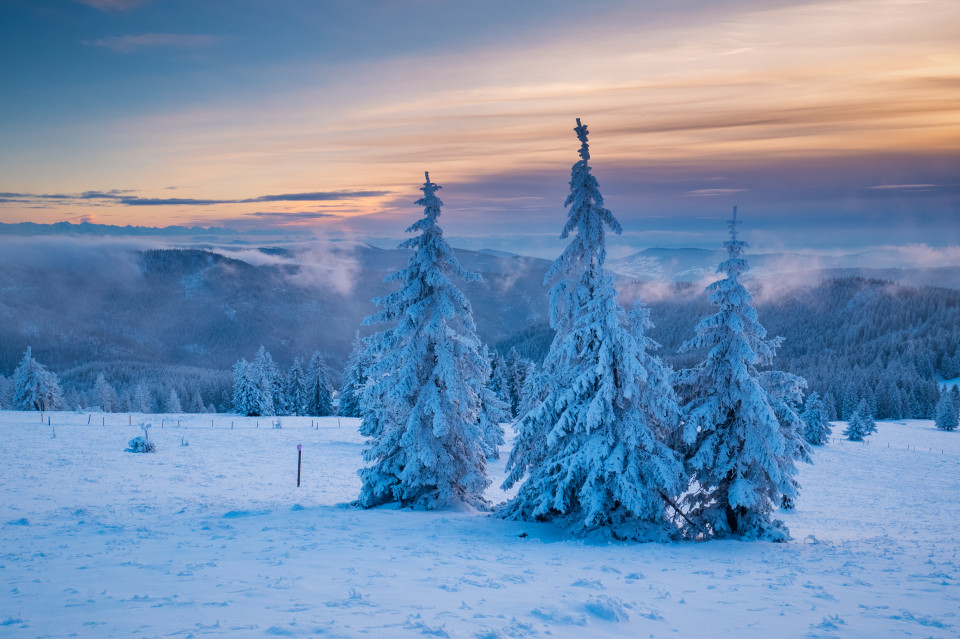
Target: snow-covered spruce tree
142, 403
860, 423
354, 377
104, 395
172, 404
946, 413
266, 374
319, 395
816, 425
493, 411
594, 446
34, 387
296, 390
421, 404
742, 438
196, 404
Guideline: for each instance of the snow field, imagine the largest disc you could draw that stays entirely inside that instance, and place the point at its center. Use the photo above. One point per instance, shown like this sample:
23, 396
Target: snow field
215, 539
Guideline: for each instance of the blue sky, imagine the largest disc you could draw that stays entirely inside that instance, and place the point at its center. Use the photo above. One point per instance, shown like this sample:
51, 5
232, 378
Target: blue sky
831, 124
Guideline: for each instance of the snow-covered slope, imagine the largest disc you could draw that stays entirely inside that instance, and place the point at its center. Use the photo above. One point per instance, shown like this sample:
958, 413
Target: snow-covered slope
214, 538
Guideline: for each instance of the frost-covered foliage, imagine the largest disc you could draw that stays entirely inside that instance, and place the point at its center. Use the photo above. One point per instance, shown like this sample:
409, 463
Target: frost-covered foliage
34, 387
422, 403
105, 396
296, 389
817, 427
172, 405
142, 443
947, 412
354, 377
860, 423
493, 411
319, 393
594, 446
741, 427
258, 386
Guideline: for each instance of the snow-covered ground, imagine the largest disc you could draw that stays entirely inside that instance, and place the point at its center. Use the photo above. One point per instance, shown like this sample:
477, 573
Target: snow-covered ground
214, 538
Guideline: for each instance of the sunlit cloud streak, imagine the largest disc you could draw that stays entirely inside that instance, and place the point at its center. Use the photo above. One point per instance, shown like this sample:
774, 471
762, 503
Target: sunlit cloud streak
816, 109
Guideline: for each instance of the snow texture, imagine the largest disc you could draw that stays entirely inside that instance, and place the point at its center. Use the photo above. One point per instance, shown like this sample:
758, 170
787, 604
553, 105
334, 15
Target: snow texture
214, 539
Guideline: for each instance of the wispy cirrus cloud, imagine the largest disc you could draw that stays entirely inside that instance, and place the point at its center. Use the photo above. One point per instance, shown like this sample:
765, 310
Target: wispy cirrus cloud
132, 43
122, 196
712, 192
113, 5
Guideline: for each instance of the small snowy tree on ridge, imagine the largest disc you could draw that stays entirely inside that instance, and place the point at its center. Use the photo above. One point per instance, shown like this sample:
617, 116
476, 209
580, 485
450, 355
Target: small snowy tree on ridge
816, 426
742, 439
860, 423
594, 445
421, 404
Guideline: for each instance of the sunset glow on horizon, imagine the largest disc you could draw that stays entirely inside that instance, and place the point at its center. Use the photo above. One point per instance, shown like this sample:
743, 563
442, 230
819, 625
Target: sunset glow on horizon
843, 113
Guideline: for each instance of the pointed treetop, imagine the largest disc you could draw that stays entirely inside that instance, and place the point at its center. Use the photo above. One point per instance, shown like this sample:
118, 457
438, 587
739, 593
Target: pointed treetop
733, 224
581, 130
429, 188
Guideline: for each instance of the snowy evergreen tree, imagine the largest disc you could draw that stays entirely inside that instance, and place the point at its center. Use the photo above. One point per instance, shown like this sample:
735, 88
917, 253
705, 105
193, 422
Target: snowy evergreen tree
266, 375
319, 395
296, 390
493, 412
142, 403
499, 382
742, 439
354, 378
172, 405
242, 391
517, 370
816, 425
946, 413
594, 447
6, 392
105, 396
34, 387
196, 404
422, 403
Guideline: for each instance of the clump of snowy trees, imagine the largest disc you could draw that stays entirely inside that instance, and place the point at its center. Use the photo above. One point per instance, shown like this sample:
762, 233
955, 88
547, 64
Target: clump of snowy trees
605, 444
260, 388
861, 423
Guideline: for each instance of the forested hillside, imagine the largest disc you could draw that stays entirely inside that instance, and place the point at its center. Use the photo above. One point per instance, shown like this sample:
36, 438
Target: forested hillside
179, 319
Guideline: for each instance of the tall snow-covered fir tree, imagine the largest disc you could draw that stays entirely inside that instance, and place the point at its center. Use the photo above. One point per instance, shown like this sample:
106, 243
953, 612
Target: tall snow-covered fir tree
421, 404
34, 387
296, 389
319, 395
594, 447
354, 377
741, 425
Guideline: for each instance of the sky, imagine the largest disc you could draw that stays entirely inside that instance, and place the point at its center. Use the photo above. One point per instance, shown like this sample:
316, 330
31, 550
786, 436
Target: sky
832, 125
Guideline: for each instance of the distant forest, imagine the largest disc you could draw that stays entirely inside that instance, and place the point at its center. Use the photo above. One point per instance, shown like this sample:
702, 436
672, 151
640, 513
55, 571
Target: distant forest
177, 320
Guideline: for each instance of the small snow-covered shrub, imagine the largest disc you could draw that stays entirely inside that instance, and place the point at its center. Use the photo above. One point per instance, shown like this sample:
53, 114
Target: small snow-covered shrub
142, 443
